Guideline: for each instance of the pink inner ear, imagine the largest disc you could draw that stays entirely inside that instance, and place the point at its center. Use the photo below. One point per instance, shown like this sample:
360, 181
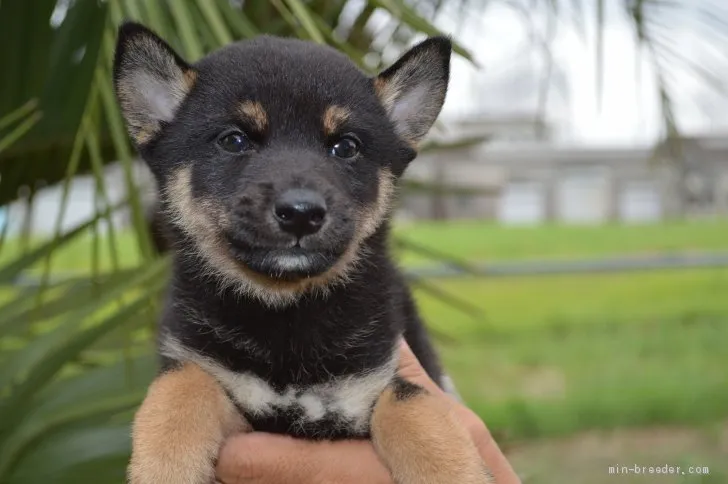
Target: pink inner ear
408, 107
159, 96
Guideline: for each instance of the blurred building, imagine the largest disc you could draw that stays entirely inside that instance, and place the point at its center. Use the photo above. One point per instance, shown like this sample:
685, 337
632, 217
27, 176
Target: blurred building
516, 175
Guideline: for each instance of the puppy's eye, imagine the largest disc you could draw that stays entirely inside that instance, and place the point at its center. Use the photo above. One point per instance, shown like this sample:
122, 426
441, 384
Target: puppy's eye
346, 147
235, 142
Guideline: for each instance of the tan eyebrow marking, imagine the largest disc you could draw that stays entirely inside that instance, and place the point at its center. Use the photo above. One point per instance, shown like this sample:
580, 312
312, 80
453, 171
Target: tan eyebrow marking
334, 117
254, 111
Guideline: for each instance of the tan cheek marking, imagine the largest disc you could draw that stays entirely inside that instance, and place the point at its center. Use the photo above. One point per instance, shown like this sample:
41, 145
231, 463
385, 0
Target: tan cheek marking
421, 442
196, 217
254, 111
371, 218
334, 117
179, 428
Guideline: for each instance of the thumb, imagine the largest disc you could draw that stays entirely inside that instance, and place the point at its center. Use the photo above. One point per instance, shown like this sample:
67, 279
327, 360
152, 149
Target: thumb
411, 370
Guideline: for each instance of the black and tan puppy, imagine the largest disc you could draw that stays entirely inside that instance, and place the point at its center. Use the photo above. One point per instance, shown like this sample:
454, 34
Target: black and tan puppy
277, 162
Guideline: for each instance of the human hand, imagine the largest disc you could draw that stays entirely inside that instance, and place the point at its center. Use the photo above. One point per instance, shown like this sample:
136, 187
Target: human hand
261, 458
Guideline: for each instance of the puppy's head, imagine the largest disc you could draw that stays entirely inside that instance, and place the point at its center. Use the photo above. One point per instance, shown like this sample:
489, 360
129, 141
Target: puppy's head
276, 158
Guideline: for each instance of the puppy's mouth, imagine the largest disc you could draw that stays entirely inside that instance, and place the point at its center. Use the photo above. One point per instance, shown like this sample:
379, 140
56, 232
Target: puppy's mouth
285, 264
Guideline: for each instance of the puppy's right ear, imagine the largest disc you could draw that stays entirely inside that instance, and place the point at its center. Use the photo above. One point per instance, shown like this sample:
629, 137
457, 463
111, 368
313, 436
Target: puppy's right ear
413, 89
150, 79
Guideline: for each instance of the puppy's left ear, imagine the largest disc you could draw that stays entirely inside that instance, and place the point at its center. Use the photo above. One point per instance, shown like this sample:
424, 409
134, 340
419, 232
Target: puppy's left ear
150, 79
413, 89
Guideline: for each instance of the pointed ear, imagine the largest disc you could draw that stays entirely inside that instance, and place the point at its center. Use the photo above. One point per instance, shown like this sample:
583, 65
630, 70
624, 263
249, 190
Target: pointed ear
413, 89
150, 79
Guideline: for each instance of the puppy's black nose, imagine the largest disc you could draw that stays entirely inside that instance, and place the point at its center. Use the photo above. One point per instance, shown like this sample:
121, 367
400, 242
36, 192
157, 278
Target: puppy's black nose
300, 212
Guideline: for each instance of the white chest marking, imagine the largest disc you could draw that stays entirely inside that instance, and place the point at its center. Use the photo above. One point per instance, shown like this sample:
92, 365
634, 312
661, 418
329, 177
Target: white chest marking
349, 398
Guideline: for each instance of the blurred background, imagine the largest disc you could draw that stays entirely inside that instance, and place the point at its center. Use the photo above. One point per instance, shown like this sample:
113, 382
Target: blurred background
565, 228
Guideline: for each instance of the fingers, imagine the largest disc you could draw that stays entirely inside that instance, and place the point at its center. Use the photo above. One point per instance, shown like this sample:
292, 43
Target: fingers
261, 458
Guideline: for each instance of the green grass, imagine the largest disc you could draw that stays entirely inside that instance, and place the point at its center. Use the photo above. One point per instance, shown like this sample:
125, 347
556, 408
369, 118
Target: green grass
558, 381
559, 354
485, 241
528, 303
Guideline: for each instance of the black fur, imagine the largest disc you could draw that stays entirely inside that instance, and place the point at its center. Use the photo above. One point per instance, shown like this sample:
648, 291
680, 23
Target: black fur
354, 326
404, 390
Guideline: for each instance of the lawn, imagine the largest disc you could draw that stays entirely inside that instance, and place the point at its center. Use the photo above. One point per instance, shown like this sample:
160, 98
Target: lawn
555, 355
567, 301
491, 242
560, 380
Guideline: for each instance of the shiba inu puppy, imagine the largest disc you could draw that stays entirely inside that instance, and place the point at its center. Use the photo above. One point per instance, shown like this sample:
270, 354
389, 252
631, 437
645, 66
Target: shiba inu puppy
277, 162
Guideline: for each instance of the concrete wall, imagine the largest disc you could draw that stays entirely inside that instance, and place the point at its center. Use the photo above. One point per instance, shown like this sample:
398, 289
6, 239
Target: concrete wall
531, 183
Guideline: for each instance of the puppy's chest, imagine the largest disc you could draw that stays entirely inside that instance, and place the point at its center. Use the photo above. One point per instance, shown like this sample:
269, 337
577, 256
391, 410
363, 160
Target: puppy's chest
337, 408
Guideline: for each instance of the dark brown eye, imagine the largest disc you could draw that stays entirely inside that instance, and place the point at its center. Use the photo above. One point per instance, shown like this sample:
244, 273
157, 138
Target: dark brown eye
234, 142
346, 147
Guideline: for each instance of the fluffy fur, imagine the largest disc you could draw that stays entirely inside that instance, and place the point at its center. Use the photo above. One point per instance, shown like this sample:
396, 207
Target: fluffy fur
297, 323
